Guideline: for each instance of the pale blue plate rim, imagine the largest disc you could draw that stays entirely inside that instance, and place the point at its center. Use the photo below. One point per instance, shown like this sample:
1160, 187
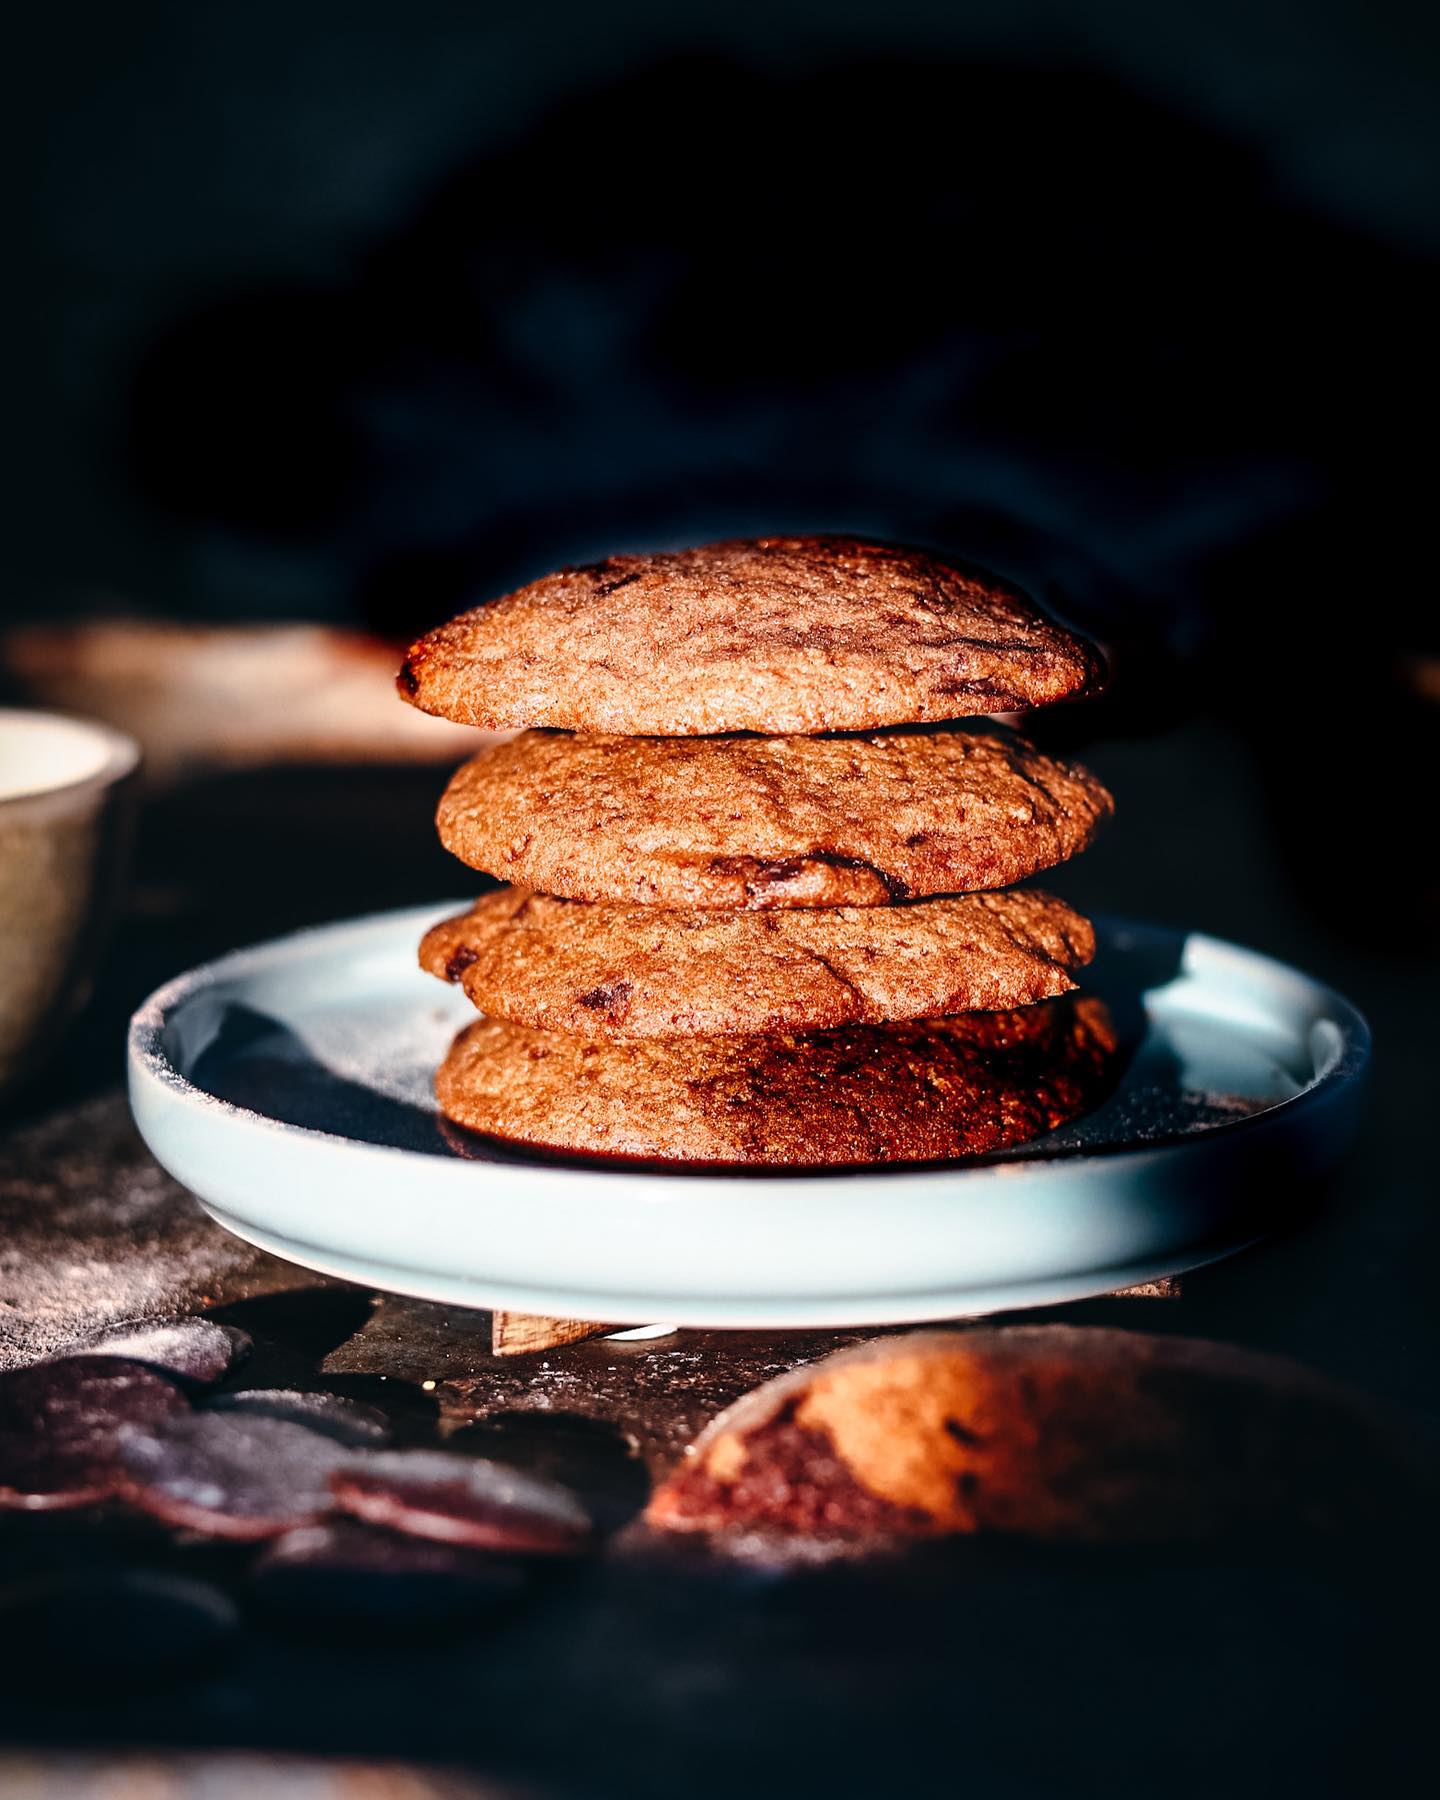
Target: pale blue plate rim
621, 1243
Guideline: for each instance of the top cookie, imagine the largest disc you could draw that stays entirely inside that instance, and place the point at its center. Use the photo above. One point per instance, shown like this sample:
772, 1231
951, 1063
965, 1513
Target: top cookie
785, 634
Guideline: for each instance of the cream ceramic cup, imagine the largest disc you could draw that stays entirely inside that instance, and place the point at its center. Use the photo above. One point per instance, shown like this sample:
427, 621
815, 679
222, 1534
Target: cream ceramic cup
66, 802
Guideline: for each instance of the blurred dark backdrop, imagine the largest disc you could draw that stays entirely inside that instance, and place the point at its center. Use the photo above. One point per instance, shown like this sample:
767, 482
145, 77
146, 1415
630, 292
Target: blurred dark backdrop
357, 311
350, 305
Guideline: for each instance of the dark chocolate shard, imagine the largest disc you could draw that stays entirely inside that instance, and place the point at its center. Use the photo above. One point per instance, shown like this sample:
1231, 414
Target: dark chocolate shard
342, 1571
40, 1476
592, 1457
61, 1424
464, 1500
230, 1476
199, 1352
347, 1422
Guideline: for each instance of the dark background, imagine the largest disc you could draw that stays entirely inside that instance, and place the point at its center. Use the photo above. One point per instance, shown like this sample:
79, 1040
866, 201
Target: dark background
360, 312
349, 306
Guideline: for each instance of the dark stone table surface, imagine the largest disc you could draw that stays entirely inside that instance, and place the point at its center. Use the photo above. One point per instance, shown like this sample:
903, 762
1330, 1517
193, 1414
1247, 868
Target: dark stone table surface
996, 1670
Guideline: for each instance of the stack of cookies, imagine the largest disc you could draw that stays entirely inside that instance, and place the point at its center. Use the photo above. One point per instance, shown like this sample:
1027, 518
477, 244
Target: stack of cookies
761, 905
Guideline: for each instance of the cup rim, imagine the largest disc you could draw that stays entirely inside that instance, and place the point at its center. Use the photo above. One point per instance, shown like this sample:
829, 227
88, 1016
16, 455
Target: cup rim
122, 756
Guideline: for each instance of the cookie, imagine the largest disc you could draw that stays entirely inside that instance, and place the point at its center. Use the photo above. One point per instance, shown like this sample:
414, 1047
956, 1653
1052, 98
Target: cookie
777, 821
1049, 1431
900, 1093
780, 634
642, 971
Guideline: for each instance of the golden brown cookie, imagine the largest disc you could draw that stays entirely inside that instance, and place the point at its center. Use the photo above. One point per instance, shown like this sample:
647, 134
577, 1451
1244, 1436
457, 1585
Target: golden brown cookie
1048, 1431
782, 634
870, 1094
641, 971
768, 821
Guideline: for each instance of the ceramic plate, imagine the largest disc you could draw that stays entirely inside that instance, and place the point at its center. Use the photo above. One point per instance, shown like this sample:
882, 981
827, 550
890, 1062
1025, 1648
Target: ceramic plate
288, 1087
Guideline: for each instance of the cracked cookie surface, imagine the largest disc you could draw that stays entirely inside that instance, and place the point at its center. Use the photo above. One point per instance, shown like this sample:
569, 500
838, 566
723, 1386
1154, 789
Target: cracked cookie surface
768, 821
780, 634
639, 971
923, 1092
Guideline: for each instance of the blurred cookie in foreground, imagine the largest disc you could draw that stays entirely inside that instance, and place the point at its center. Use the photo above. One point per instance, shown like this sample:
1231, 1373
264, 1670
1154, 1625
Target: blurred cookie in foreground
769, 821
1050, 1432
920, 1092
778, 634
562, 965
